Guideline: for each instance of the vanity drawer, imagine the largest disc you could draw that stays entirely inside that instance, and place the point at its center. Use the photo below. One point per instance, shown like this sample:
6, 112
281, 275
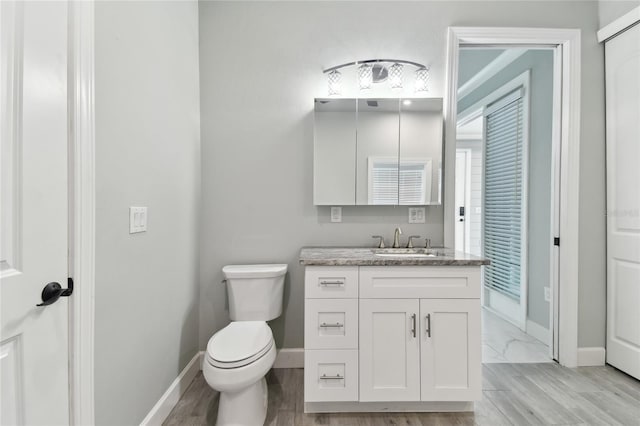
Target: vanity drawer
327, 282
331, 324
330, 375
406, 282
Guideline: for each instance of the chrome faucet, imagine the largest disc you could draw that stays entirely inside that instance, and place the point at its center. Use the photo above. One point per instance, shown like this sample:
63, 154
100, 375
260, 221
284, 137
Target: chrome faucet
396, 238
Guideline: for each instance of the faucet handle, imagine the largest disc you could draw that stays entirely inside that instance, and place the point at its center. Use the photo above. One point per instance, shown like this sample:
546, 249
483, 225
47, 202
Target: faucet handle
410, 242
381, 244
427, 243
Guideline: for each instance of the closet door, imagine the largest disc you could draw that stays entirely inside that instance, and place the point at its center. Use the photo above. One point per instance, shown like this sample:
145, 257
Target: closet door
623, 201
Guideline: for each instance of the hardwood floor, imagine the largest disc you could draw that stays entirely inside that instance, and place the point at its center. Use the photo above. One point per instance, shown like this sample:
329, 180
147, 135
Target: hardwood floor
514, 394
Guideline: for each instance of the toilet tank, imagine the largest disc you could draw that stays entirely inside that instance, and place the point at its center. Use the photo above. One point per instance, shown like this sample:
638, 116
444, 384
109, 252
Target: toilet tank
255, 291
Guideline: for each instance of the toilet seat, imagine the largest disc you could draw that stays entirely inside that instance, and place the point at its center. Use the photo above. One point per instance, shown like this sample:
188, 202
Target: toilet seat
239, 344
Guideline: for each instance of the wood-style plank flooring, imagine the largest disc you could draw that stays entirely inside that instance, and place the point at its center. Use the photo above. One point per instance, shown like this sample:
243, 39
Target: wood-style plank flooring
513, 394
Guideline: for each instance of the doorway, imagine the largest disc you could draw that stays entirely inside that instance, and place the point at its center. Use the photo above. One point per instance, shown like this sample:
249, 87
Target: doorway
505, 128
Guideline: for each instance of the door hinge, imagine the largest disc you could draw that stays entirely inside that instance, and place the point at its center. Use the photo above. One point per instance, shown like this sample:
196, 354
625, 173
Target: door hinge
556, 241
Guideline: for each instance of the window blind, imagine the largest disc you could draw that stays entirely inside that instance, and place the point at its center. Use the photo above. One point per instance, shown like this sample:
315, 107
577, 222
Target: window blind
502, 219
410, 189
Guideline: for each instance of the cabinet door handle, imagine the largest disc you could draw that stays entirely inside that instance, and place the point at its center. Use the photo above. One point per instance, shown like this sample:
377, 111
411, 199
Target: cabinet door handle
413, 325
336, 325
336, 377
336, 282
428, 325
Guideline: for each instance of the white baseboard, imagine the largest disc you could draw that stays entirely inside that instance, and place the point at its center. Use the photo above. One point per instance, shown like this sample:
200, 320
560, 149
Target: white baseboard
165, 404
289, 358
591, 357
538, 332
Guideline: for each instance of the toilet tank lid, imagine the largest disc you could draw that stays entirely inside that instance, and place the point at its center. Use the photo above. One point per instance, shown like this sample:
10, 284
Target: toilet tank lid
254, 271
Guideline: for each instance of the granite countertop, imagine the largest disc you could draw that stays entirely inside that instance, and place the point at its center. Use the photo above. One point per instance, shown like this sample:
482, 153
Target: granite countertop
359, 256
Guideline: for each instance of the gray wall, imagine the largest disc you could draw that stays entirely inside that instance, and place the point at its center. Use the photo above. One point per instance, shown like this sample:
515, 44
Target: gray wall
610, 10
540, 62
148, 154
261, 68
472, 61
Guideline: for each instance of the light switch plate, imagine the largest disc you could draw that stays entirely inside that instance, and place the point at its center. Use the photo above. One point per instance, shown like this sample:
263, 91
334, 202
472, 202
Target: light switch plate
137, 219
336, 214
416, 214
547, 294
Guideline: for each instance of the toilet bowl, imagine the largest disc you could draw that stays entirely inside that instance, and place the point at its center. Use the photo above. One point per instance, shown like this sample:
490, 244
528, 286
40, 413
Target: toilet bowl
237, 359
239, 356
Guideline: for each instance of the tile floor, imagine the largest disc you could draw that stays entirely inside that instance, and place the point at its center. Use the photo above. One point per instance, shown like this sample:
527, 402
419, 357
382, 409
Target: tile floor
503, 342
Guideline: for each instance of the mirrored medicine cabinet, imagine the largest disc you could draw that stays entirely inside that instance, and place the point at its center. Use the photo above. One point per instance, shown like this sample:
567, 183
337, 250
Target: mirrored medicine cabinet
385, 151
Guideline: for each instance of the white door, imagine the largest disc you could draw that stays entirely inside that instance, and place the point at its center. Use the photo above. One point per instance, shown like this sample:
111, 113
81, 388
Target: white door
450, 350
623, 201
33, 340
389, 350
461, 197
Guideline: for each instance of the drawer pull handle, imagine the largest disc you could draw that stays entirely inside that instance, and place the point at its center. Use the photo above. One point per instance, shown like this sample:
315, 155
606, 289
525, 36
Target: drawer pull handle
428, 326
336, 377
326, 283
336, 325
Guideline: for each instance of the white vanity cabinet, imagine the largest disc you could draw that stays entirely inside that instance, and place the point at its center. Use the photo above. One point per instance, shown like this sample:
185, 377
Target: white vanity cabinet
331, 334
389, 350
450, 350
417, 345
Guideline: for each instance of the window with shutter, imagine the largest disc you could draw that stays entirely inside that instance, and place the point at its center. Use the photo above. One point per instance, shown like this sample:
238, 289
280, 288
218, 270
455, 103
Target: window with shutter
503, 188
410, 185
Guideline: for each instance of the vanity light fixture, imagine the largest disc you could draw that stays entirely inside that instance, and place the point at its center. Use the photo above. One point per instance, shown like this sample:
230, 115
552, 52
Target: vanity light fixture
395, 76
406, 102
375, 71
365, 76
422, 80
334, 80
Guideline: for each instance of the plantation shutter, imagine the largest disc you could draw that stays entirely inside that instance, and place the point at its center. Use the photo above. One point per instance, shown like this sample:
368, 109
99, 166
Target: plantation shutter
412, 184
384, 183
411, 188
502, 220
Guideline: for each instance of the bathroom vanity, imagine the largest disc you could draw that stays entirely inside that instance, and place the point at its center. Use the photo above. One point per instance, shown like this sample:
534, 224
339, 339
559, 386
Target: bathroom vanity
391, 331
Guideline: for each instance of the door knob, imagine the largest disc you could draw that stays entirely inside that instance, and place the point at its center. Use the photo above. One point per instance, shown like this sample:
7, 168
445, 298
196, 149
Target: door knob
53, 291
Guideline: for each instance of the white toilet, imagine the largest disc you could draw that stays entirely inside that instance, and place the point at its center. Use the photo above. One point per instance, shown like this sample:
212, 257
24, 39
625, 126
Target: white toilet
240, 355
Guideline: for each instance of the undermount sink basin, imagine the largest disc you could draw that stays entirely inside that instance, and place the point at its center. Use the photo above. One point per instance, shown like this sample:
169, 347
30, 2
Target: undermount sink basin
406, 252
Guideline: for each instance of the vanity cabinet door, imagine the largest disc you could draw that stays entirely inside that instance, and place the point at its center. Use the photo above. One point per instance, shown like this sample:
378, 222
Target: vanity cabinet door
389, 350
450, 350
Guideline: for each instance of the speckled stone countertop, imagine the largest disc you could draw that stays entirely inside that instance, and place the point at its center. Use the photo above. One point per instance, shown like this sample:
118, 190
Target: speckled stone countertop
358, 256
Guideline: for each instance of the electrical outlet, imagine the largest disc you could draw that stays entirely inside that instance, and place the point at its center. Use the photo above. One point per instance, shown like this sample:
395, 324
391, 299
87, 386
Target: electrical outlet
137, 219
336, 214
547, 294
416, 214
